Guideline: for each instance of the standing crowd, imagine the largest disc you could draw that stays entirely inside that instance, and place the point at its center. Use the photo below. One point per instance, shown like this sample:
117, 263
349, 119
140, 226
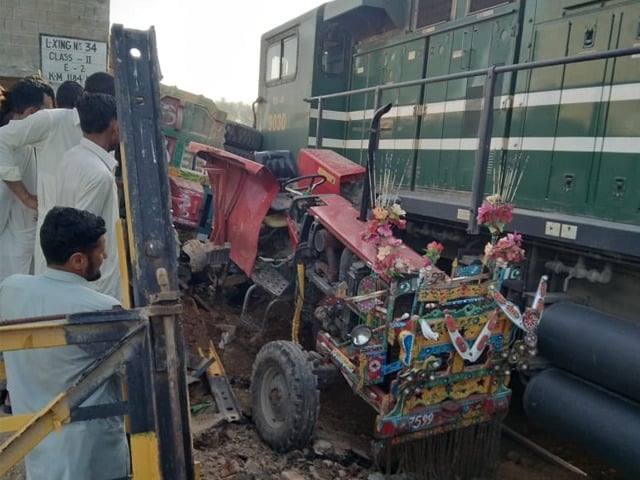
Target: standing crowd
58, 255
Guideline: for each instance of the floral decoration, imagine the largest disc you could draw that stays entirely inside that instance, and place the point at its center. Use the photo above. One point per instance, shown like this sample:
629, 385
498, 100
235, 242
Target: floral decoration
507, 249
495, 214
432, 253
380, 232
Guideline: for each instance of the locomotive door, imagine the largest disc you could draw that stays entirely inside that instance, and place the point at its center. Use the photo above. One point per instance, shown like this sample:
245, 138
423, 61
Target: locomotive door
395, 156
616, 183
388, 64
448, 135
364, 73
429, 158
580, 107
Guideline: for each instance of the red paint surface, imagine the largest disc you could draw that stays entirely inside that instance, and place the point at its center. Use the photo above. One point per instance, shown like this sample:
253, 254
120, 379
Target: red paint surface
243, 191
186, 202
340, 217
338, 169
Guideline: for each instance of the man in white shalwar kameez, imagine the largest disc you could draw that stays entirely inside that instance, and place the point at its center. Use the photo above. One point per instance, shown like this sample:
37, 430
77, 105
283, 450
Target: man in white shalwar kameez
51, 133
86, 178
73, 242
17, 221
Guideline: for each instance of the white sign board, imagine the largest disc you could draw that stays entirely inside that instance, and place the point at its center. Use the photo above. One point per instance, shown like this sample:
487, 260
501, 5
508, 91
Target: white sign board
66, 58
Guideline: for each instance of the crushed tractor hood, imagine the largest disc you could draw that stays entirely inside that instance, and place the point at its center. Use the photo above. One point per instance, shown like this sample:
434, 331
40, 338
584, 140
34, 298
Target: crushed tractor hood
242, 191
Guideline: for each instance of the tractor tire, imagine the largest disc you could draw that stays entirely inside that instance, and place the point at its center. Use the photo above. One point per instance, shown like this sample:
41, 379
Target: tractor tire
284, 396
242, 136
239, 151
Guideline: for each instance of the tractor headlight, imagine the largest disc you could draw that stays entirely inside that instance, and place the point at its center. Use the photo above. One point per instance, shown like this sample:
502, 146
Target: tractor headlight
361, 335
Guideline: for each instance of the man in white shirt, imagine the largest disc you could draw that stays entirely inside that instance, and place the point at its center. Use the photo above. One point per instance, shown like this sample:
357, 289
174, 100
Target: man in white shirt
51, 133
17, 221
86, 181
73, 242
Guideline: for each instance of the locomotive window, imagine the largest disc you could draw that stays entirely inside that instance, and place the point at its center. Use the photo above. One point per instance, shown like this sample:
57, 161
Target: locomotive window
334, 52
477, 5
282, 59
273, 62
430, 12
289, 57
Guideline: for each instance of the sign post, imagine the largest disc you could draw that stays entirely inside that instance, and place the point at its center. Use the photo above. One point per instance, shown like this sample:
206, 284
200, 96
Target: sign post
67, 58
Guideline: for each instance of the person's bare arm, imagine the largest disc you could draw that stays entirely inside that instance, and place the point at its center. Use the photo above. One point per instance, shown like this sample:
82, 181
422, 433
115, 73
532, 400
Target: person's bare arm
18, 188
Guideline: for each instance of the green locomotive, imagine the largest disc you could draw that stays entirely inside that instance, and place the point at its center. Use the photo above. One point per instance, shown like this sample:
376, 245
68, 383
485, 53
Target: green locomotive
575, 127
543, 93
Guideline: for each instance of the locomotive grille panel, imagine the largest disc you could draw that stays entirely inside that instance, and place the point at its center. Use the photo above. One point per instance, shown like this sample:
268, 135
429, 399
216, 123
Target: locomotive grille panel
433, 11
477, 5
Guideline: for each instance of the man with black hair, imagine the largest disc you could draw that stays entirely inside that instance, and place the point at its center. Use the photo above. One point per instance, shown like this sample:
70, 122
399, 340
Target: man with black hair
86, 178
100, 82
68, 94
17, 221
51, 133
73, 242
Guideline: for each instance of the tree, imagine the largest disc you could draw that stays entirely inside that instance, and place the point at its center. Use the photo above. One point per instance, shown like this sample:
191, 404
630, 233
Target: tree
236, 111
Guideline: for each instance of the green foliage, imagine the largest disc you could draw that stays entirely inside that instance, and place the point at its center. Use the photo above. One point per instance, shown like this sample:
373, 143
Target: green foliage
236, 111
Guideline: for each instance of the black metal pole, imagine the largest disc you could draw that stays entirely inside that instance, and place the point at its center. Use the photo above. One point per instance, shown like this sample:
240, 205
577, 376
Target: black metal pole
153, 254
368, 193
319, 125
481, 163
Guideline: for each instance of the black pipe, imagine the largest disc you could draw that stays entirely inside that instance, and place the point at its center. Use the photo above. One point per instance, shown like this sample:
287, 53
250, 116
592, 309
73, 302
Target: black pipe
598, 347
319, 125
598, 421
369, 192
481, 161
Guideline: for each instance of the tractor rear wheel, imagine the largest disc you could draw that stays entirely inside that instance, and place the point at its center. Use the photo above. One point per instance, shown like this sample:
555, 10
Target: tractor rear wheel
284, 396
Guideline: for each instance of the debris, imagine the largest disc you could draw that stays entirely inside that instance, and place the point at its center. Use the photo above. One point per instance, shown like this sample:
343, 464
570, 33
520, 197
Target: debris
321, 447
291, 475
200, 407
230, 468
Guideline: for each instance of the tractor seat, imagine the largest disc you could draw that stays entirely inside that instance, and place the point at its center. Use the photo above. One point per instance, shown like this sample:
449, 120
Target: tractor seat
280, 162
284, 167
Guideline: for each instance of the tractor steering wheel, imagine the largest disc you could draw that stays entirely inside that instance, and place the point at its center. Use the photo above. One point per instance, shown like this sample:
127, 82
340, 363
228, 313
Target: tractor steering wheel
314, 182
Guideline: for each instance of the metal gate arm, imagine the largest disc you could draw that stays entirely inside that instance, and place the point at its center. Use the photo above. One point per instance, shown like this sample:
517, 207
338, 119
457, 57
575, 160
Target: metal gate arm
58, 411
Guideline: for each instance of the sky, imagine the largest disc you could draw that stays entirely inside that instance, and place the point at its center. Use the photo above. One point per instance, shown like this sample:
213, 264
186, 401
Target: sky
210, 47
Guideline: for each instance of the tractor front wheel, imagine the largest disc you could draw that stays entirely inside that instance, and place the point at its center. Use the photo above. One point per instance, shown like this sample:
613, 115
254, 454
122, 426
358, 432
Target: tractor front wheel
284, 396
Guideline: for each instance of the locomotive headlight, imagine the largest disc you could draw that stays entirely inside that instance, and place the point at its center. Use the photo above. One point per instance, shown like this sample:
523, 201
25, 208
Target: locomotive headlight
361, 335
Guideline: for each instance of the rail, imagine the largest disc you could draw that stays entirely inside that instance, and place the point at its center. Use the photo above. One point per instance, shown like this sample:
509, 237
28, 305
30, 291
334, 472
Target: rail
481, 161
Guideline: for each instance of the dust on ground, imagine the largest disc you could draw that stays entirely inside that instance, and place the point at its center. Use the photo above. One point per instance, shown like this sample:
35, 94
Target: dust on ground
341, 445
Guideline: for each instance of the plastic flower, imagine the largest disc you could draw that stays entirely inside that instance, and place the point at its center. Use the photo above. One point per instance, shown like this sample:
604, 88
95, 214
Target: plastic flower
495, 214
380, 213
493, 199
507, 249
385, 230
394, 242
384, 252
433, 252
401, 223
396, 211
379, 231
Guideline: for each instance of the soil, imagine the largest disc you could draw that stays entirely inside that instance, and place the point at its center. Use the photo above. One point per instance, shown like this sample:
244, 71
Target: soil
341, 445
340, 448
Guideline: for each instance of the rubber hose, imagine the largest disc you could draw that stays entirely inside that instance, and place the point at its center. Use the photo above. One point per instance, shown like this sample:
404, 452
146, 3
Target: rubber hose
601, 422
595, 346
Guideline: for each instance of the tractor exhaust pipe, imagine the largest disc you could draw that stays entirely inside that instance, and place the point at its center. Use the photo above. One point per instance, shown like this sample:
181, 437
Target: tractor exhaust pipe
369, 190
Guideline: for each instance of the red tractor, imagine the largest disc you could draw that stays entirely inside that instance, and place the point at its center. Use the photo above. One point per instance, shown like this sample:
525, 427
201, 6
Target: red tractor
430, 351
